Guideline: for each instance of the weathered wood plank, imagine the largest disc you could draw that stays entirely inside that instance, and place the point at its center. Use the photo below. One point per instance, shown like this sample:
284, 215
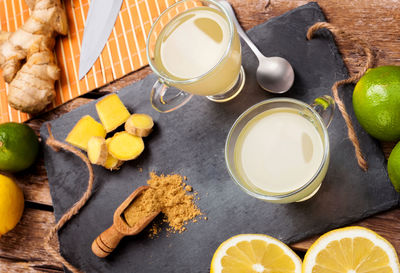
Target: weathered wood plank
387, 148
21, 266
127, 80
25, 242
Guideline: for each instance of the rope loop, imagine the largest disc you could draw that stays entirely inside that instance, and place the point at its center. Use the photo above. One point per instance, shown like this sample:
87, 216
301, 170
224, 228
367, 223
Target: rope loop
352, 79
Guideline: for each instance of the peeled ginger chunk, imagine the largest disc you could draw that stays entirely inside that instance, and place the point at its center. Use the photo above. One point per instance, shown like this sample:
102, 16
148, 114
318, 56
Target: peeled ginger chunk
111, 163
112, 112
97, 150
83, 130
139, 125
124, 146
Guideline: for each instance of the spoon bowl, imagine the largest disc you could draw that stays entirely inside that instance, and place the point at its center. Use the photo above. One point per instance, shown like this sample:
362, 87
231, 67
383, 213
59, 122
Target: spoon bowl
274, 74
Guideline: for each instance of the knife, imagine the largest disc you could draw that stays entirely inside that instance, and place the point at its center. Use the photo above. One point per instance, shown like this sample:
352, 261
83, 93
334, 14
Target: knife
99, 24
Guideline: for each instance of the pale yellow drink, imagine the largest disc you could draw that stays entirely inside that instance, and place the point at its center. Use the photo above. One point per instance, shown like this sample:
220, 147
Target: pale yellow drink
279, 151
194, 44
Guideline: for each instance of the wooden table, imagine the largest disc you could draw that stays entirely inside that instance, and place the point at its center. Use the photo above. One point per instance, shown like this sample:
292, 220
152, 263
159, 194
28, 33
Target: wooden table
376, 21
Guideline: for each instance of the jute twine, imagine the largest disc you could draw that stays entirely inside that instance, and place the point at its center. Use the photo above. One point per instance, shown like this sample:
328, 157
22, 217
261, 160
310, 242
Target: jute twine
353, 79
56, 146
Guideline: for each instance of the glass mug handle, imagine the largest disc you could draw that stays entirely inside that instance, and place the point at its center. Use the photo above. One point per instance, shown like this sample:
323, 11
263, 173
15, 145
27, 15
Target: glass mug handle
325, 107
163, 102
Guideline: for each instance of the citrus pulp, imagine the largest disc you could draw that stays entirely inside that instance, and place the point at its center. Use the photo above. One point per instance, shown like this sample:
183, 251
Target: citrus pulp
254, 253
351, 250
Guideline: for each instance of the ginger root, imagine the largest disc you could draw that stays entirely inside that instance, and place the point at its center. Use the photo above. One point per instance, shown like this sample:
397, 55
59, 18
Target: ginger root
97, 150
32, 85
139, 125
124, 146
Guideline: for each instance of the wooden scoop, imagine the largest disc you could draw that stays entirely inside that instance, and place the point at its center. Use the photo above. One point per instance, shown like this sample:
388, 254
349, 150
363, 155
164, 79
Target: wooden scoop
107, 241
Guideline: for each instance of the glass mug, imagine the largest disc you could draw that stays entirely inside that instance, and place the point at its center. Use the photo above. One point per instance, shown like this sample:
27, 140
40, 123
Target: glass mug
194, 49
278, 149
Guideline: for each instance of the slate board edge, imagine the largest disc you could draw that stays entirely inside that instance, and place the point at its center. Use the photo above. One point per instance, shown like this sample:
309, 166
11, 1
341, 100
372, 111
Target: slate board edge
342, 222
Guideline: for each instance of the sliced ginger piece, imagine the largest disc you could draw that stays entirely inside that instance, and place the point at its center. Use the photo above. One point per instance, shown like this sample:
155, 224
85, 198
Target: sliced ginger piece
97, 150
124, 146
112, 112
139, 125
111, 163
83, 130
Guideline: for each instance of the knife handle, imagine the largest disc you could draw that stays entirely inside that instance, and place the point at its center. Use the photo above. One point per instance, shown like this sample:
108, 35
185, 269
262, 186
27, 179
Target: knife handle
106, 242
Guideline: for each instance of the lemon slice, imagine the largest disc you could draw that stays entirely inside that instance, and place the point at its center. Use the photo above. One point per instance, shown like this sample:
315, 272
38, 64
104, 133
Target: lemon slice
351, 250
254, 253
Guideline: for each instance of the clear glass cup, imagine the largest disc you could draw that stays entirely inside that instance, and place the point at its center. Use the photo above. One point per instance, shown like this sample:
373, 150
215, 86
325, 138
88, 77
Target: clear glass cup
320, 114
220, 83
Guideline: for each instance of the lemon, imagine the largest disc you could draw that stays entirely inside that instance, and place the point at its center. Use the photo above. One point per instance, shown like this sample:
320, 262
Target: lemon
351, 250
393, 167
11, 204
19, 146
376, 102
254, 253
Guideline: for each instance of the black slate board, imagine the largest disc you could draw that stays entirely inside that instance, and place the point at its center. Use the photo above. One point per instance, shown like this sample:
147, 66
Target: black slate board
190, 141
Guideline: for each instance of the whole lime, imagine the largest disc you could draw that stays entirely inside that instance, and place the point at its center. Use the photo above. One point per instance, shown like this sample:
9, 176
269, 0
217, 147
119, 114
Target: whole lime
376, 102
11, 204
19, 146
393, 167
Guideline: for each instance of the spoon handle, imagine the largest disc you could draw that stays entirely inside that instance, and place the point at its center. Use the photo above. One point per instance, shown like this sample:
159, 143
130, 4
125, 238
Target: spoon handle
239, 29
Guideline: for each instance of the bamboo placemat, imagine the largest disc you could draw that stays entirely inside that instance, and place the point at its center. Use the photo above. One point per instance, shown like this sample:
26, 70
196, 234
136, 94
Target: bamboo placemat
124, 52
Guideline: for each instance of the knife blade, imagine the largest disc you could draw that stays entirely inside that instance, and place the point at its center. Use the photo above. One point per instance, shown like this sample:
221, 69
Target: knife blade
99, 24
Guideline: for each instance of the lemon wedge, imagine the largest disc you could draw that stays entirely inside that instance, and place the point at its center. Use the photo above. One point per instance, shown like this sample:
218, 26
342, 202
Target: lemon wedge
254, 253
351, 250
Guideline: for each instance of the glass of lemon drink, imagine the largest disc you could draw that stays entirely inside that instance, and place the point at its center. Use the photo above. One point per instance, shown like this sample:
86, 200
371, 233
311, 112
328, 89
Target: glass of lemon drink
278, 149
194, 49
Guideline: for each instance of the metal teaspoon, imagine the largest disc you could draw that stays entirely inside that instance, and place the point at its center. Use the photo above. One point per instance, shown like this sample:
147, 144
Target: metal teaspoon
274, 74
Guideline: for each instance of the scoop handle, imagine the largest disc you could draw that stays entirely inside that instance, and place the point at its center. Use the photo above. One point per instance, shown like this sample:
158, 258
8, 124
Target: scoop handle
106, 242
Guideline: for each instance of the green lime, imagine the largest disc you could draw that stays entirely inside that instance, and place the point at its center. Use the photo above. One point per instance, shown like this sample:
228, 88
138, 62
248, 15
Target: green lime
394, 167
11, 204
19, 146
376, 102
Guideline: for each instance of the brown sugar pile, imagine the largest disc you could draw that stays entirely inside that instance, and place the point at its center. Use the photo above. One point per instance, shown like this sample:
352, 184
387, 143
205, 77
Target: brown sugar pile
168, 194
